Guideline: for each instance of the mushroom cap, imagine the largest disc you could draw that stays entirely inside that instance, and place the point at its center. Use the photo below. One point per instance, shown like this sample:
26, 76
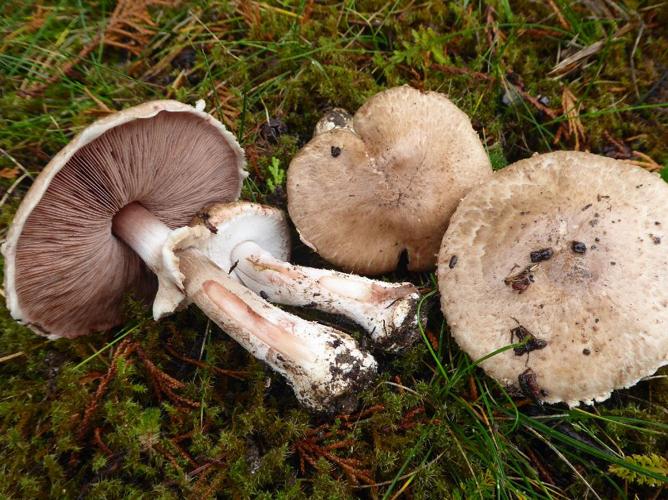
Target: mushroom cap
603, 313
361, 196
241, 221
65, 272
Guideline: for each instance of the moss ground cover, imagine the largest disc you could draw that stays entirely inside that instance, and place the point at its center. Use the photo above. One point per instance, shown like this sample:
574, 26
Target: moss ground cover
176, 408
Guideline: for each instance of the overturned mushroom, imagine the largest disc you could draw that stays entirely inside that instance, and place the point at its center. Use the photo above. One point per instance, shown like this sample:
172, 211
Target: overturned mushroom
253, 242
591, 321
366, 189
103, 211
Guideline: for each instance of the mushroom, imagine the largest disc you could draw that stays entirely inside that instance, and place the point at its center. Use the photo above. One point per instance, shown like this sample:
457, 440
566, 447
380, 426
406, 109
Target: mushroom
253, 242
105, 209
366, 189
562, 254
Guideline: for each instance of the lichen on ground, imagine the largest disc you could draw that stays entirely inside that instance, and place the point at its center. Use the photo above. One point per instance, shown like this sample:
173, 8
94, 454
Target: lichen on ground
176, 408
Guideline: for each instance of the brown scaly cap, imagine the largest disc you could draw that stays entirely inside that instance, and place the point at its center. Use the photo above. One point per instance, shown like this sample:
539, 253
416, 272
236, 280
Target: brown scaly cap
65, 273
360, 196
595, 297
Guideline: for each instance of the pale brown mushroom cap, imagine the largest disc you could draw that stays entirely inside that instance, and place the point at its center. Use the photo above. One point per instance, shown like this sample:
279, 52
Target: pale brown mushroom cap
361, 197
603, 313
65, 272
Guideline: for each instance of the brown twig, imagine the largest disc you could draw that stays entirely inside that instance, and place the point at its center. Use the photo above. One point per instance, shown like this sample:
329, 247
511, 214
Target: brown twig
162, 382
456, 70
473, 390
356, 417
576, 60
572, 128
309, 451
542, 469
123, 349
313, 446
165, 384
98, 440
623, 151
646, 162
562, 20
183, 453
238, 374
157, 447
408, 420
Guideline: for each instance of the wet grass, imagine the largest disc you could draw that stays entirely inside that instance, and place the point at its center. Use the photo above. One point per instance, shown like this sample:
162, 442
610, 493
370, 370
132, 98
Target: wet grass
176, 408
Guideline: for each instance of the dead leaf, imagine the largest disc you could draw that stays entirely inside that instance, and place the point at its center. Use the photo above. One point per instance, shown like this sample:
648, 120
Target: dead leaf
572, 128
578, 59
9, 173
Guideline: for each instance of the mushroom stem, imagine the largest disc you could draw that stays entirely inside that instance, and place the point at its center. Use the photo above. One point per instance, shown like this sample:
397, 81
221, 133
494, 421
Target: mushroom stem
388, 311
143, 232
325, 367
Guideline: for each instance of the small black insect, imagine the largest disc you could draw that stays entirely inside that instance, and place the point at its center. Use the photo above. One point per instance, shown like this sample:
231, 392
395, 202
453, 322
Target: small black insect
578, 247
522, 280
586, 352
453, 262
531, 343
529, 386
264, 295
336, 151
541, 255
204, 217
234, 266
272, 129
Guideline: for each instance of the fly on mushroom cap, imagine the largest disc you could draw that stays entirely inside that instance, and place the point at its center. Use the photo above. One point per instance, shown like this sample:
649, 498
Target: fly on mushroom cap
598, 320
65, 273
252, 241
362, 195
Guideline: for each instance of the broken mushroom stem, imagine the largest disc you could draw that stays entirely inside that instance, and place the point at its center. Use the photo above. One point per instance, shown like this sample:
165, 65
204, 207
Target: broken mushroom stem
325, 367
388, 311
253, 242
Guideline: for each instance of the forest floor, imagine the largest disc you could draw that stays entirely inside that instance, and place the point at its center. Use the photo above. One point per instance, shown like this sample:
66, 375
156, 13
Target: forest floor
176, 408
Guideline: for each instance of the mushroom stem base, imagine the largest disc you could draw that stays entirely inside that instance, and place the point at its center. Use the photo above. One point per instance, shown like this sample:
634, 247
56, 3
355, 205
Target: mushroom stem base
325, 367
388, 311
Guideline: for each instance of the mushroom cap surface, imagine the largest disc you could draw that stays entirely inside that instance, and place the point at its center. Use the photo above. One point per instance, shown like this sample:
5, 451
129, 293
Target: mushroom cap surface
66, 274
241, 221
361, 196
599, 302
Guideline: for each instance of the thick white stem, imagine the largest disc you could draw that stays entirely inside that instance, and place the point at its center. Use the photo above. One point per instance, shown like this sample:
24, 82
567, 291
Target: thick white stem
388, 311
325, 367
143, 232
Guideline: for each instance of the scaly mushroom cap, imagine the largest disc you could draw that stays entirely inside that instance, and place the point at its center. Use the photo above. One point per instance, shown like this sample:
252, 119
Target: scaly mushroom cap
362, 196
65, 272
595, 297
